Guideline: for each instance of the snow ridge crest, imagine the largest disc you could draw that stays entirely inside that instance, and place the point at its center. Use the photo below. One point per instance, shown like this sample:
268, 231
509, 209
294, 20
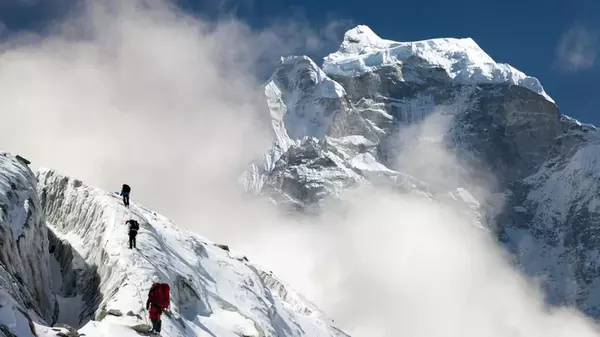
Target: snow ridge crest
363, 51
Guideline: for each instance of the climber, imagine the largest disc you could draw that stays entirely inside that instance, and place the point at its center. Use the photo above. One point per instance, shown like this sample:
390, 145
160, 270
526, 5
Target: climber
125, 190
134, 226
158, 301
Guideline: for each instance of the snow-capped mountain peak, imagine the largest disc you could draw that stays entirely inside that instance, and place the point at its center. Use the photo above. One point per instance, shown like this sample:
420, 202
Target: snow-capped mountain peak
362, 51
492, 126
361, 40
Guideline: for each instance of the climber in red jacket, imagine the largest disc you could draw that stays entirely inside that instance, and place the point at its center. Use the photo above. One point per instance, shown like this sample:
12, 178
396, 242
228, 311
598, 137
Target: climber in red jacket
154, 313
158, 301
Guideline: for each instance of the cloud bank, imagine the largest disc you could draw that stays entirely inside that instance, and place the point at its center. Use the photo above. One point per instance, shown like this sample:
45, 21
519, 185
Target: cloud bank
142, 93
391, 264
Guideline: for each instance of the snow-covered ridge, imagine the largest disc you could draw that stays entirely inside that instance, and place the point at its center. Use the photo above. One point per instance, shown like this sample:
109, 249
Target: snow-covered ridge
464, 61
214, 292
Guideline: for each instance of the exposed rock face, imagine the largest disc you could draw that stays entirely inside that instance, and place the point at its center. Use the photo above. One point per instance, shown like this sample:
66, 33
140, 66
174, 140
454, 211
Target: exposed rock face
504, 131
24, 265
551, 219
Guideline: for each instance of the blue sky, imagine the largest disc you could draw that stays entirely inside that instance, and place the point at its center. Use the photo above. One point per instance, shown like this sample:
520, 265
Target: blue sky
556, 41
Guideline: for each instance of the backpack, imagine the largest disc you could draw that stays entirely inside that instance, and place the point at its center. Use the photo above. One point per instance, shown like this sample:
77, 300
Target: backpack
159, 295
126, 188
135, 226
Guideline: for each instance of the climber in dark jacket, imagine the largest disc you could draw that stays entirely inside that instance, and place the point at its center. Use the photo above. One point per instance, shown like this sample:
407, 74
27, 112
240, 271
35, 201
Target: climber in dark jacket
125, 190
134, 226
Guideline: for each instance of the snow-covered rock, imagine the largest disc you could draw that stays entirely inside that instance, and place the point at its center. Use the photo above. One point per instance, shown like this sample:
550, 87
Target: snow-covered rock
363, 51
214, 292
360, 128
24, 266
555, 234
524, 170
302, 100
14, 320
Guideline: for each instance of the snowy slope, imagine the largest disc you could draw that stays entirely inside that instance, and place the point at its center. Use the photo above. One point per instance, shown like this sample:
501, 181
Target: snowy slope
555, 237
298, 95
555, 191
363, 51
214, 292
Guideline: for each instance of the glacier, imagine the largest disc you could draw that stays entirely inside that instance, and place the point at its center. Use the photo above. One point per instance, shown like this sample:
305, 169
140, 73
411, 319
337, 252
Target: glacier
73, 238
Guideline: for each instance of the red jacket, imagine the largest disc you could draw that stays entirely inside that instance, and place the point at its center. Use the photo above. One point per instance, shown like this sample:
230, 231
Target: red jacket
158, 297
155, 312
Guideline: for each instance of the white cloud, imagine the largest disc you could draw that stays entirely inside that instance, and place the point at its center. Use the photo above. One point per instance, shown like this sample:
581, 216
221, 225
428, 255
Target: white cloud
578, 48
393, 264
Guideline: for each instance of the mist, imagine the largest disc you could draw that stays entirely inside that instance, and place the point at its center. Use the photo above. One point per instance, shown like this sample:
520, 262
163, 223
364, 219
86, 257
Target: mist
141, 93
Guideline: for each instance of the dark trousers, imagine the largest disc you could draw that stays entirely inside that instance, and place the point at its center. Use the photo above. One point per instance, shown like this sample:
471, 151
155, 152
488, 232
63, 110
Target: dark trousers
126, 199
156, 324
132, 239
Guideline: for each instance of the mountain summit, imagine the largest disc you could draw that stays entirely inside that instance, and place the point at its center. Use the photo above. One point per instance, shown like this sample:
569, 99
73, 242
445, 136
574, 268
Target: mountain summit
440, 118
462, 59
